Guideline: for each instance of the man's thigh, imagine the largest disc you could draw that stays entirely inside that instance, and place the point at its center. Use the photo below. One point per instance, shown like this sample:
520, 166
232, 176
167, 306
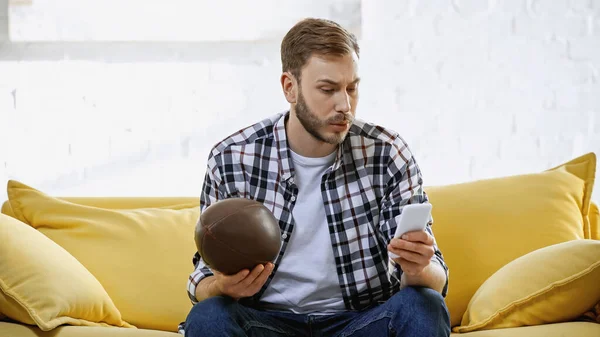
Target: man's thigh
222, 316
413, 311
281, 323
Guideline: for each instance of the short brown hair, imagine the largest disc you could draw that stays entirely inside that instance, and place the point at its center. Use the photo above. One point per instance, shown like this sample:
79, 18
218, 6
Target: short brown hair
314, 36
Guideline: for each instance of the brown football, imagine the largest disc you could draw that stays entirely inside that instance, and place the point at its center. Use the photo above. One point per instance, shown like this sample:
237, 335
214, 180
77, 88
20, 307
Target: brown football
237, 233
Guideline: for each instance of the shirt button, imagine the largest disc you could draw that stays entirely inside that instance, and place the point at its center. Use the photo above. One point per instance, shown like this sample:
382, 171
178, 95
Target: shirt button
293, 198
284, 236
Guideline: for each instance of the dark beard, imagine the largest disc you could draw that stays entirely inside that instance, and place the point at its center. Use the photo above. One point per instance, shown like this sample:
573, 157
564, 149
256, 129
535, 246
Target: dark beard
312, 123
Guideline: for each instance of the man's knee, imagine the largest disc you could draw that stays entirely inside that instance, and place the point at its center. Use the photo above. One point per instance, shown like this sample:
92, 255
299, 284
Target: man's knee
420, 301
426, 306
211, 312
430, 297
420, 297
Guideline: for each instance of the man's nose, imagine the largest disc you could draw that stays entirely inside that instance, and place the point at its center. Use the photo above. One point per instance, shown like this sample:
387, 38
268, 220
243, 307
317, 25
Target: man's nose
343, 103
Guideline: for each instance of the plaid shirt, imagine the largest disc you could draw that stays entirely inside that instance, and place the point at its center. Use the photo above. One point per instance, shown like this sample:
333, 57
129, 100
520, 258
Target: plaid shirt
374, 175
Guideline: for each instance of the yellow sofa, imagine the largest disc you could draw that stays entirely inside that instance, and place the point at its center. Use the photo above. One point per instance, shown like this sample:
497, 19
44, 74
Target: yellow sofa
523, 253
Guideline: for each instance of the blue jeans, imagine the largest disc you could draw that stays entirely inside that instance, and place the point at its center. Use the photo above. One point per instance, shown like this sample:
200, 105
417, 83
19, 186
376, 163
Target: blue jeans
413, 311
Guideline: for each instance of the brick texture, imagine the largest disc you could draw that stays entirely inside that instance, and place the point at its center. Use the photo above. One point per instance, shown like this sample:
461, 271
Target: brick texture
485, 88
479, 89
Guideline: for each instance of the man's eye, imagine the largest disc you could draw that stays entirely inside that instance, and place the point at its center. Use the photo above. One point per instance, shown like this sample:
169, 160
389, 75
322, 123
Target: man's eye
327, 91
351, 89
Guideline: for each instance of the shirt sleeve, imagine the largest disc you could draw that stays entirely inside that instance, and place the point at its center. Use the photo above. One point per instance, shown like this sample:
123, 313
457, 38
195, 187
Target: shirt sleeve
404, 186
211, 192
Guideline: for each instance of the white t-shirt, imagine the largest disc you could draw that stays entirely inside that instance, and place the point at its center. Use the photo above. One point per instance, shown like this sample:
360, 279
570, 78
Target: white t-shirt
306, 280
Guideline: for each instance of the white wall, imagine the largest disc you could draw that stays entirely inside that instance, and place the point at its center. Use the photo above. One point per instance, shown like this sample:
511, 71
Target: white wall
485, 88
175, 20
479, 89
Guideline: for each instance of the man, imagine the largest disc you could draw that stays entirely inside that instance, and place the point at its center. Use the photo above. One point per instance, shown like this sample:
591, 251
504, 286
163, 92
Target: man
337, 185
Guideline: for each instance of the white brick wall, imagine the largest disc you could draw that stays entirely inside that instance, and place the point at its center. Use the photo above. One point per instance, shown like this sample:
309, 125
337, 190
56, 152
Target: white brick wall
485, 88
478, 88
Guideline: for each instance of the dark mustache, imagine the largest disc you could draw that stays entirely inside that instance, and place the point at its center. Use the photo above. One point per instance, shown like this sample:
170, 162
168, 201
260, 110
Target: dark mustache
338, 119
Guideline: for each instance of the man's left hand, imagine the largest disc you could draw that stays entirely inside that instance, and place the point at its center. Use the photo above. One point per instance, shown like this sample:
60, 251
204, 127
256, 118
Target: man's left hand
415, 250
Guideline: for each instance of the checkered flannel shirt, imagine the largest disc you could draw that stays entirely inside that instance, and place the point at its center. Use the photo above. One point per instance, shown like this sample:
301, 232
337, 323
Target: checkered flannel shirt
374, 175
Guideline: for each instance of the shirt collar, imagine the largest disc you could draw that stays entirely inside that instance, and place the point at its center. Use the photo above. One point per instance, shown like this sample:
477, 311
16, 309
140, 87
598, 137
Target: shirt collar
286, 165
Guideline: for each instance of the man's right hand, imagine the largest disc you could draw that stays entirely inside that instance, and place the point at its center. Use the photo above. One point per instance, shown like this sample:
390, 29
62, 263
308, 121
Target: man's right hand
245, 283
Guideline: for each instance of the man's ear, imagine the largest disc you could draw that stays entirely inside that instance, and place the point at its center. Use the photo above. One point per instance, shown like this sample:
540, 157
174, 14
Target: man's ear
289, 86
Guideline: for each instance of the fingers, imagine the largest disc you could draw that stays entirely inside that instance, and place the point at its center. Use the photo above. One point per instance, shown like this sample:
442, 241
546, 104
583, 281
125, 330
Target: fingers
252, 276
422, 259
262, 278
239, 277
259, 274
414, 251
245, 283
419, 236
412, 257
232, 279
399, 245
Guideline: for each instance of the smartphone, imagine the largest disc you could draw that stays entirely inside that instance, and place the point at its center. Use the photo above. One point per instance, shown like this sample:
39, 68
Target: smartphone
414, 217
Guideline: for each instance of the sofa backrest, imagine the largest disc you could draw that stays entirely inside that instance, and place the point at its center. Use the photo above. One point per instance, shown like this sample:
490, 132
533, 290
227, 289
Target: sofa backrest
449, 237
122, 202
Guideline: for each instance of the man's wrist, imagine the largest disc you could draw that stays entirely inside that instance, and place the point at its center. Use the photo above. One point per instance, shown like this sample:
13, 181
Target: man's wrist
207, 288
428, 277
212, 287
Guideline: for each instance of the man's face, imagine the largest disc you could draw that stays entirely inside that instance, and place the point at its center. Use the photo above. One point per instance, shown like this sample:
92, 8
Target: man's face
327, 97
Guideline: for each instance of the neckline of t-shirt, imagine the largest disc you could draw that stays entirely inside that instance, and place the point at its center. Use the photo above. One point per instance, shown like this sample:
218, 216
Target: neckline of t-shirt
313, 161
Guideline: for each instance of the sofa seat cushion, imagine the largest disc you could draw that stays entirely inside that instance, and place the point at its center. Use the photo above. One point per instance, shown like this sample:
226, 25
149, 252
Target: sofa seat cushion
575, 329
142, 257
483, 225
579, 329
20, 330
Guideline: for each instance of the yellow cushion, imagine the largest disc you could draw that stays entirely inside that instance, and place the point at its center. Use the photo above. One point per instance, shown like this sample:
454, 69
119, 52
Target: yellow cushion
550, 285
42, 284
142, 257
481, 226
594, 222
